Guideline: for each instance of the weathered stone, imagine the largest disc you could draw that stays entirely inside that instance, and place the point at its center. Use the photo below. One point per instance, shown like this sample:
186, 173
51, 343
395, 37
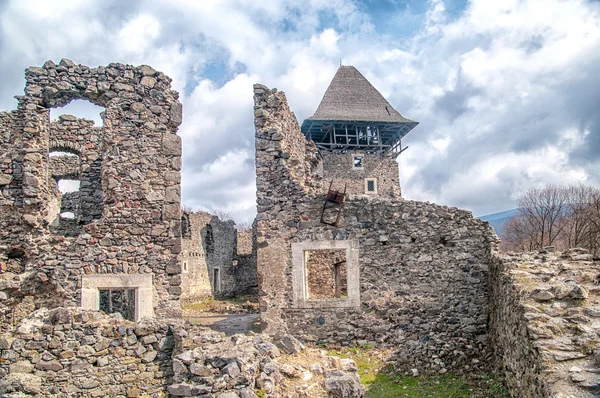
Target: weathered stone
290, 344
343, 385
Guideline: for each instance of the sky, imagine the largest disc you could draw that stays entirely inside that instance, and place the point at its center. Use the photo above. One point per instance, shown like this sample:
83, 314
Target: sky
507, 92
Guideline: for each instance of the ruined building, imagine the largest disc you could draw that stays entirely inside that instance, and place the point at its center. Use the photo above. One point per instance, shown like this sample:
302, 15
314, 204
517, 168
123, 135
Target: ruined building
340, 256
217, 260
398, 272
341, 263
115, 240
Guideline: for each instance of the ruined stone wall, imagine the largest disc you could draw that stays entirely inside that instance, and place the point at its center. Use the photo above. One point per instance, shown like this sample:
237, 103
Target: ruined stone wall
195, 281
245, 264
221, 255
339, 168
544, 322
74, 352
133, 163
286, 170
423, 267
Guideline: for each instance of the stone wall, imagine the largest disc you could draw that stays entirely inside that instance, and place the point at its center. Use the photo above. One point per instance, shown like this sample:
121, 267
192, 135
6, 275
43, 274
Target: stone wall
74, 352
423, 267
545, 323
69, 352
209, 243
245, 264
195, 279
130, 184
339, 168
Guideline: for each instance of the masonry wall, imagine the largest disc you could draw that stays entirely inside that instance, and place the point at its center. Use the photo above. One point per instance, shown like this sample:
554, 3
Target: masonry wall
195, 282
130, 173
74, 352
544, 322
339, 168
423, 267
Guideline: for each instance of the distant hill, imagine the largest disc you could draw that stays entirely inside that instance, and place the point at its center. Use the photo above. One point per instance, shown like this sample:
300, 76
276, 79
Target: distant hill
497, 220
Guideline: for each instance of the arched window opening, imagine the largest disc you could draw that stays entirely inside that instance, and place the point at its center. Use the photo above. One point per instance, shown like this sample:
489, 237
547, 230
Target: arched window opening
81, 109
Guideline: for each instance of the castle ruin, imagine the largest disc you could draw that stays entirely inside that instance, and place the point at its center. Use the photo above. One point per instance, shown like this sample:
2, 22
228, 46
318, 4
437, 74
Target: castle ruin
91, 280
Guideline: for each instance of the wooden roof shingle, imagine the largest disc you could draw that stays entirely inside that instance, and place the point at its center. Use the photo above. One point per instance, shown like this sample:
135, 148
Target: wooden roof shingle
351, 97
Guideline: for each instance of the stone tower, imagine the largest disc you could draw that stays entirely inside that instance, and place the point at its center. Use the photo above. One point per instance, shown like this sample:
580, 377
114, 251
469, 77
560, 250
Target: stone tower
359, 135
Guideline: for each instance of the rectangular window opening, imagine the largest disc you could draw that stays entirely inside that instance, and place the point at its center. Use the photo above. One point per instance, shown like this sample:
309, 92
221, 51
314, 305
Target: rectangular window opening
326, 274
217, 280
357, 161
371, 185
118, 300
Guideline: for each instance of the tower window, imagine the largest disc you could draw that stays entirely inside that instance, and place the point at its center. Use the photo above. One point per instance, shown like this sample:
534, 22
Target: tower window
371, 185
185, 267
357, 161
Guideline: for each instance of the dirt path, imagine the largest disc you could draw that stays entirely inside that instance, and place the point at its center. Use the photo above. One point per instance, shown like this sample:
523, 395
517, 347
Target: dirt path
228, 324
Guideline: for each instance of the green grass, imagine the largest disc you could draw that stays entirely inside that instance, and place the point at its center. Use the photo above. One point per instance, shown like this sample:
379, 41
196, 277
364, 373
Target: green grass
243, 303
381, 382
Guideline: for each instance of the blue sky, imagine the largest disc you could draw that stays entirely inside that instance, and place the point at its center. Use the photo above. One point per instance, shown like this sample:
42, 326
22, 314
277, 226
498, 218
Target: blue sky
507, 93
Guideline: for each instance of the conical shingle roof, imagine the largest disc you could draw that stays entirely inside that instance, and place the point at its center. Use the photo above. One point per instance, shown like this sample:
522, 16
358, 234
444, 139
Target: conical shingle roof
350, 97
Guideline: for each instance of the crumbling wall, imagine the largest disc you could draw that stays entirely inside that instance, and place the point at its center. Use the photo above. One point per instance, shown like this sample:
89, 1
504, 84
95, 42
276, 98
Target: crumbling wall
220, 239
245, 265
195, 280
339, 168
544, 322
132, 223
74, 352
423, 267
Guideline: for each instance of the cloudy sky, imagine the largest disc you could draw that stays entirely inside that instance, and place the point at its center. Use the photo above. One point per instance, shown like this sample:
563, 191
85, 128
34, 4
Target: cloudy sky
507, 92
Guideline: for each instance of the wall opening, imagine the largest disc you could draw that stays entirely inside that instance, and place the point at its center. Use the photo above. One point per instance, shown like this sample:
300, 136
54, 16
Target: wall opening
184, 268
371, 185
129, 294
118, 300
81, 109
216, 280
357, 161
209, 240
326, 274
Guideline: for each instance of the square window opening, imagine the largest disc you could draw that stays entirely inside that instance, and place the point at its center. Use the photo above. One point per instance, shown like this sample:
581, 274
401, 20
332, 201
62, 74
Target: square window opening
118, 300
326, 274
357, 161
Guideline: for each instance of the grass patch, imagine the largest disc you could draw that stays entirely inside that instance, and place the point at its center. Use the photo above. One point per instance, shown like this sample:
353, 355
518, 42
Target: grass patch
382, 382
242, 304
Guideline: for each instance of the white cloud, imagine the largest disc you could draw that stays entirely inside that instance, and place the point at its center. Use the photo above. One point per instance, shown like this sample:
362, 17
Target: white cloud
506, 93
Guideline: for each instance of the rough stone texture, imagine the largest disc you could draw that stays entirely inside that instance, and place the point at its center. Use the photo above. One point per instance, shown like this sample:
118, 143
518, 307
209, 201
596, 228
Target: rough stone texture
423, 267
75, 352
209, 243
195, 281
128, 208
68, 352
339, 168
321, 273
545, 323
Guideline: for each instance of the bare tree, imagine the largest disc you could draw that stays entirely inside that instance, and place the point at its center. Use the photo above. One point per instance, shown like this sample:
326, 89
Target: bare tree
542, 210
243, 226
221, 215
561, 216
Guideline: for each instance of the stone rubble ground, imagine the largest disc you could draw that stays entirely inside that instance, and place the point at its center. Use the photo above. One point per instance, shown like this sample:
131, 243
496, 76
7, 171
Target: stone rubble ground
71, 351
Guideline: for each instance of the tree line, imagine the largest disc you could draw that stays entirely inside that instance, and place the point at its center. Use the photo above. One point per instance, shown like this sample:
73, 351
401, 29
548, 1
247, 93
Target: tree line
564, 216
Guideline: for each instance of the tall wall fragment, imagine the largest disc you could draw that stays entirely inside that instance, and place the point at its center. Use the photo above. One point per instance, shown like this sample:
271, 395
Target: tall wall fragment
127, 213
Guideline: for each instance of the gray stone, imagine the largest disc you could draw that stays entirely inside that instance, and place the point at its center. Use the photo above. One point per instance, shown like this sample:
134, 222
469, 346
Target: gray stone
290, 344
